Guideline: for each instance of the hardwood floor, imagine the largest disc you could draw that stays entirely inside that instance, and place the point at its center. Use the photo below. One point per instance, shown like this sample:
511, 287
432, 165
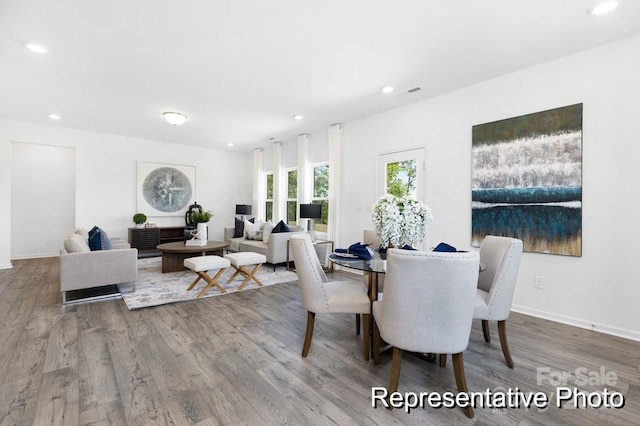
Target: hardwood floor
235, 359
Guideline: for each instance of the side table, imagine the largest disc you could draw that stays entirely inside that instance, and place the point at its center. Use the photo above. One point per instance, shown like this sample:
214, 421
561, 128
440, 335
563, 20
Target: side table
323, 262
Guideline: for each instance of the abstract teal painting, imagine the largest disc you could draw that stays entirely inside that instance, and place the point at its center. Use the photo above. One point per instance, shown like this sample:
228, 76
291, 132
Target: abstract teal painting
527, 180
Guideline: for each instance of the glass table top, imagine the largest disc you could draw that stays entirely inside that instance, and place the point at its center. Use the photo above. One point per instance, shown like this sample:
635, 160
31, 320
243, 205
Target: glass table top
374, 265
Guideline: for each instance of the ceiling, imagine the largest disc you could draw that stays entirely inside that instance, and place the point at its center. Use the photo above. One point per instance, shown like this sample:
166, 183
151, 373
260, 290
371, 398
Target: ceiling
241, 69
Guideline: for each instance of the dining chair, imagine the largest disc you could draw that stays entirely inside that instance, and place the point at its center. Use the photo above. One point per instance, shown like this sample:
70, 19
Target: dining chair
370, 237
319, 295
500, 258
427, 308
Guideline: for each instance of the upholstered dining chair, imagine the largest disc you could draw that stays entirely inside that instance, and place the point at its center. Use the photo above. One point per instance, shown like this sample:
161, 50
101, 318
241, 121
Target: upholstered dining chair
427, 308
370, 237
319, 295
500, 258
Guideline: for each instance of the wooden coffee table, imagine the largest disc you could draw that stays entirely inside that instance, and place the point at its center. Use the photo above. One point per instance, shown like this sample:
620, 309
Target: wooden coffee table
174, 254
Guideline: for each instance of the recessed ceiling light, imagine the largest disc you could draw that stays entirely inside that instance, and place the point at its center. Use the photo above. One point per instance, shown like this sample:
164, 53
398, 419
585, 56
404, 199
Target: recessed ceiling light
175, 118
298, 116
603, 7
229, 144
387, 89
54, 116
35, 47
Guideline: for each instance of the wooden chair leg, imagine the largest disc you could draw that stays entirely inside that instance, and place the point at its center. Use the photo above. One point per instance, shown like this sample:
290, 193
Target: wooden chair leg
502, 332
376, 342
250, 275
311, 316
486, 331
193, 284
211, 282
358, 324
366, 336
395, 374
461, 380
443, 360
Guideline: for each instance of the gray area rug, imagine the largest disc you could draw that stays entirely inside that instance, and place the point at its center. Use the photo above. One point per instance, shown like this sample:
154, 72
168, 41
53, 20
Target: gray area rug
154, 288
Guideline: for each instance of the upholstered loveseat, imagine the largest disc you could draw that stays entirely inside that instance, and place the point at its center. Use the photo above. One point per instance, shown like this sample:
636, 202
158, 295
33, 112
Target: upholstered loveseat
81, 268
274, 247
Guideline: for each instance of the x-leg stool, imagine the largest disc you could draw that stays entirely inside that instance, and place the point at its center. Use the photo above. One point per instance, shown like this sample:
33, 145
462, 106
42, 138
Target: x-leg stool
240, 261
201, 265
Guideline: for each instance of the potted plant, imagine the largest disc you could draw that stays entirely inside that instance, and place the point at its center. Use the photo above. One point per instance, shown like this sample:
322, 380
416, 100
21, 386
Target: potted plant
139, 219
400, 221
201, 217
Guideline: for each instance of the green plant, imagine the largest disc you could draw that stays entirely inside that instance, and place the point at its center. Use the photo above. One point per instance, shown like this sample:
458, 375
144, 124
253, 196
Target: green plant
139, 218
202, 216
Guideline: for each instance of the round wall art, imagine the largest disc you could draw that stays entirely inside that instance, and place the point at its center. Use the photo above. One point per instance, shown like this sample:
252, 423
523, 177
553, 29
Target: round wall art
167, 189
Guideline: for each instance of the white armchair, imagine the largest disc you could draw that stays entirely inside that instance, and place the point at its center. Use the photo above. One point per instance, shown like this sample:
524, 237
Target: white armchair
496, 284
319, 295
427, 308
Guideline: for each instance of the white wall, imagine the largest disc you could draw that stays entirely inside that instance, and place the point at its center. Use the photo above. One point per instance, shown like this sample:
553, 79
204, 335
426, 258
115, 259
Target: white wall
106, 177
599, 288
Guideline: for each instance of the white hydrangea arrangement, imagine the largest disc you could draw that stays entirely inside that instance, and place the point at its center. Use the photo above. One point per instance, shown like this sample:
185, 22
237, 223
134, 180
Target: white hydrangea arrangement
400, 221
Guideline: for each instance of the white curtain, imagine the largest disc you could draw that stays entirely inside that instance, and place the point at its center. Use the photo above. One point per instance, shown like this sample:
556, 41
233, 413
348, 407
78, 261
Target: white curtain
279, 190
305, 178
259, 190
335, 177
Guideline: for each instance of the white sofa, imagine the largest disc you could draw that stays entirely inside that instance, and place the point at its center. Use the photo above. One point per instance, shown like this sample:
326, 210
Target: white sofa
275, 249
81, 268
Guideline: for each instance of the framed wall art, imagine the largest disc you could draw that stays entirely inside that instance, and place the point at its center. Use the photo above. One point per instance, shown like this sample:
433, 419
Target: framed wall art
165, 189
527, 180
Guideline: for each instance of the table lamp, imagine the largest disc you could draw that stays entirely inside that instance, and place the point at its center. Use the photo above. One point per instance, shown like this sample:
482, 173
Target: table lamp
243, 209
311, 212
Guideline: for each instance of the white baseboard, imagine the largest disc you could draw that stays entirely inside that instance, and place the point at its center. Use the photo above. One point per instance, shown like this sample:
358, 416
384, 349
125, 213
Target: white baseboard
6, 266
576, 322
36, 256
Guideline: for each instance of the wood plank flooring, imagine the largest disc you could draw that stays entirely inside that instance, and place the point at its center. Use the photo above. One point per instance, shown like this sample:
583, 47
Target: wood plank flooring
235, 360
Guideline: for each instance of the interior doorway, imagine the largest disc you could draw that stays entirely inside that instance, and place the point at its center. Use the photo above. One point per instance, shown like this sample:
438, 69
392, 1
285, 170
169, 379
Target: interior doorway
43, 198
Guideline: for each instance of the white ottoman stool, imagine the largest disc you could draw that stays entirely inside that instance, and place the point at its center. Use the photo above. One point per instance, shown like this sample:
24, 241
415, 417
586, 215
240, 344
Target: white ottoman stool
240, 260
200, 265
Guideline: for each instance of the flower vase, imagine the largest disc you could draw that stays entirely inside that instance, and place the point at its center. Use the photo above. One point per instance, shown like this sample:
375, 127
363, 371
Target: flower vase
202, 231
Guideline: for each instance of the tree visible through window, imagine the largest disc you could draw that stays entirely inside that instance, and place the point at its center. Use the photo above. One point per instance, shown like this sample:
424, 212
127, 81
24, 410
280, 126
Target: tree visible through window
292, 196
401, 178
269, 201
321, 195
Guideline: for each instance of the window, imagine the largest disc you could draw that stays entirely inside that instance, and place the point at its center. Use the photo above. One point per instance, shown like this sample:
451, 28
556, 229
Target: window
402, 173
269, 202
292, 196
321, 195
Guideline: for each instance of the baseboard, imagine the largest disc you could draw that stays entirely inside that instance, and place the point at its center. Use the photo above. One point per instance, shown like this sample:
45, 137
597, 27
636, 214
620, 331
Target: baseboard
6, 266
36, 256
580, 323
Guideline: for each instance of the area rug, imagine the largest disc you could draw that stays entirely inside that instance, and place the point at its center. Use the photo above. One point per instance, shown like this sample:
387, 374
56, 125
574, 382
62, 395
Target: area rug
154, 288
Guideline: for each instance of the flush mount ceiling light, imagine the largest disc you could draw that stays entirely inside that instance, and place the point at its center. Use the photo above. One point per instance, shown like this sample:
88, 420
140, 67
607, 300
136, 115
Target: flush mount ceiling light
603, 7
35, 47
175, 118
298, 117
54, 116
387, 89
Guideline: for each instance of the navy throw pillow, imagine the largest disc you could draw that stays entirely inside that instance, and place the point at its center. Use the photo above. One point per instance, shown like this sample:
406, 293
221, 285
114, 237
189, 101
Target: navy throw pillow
239, 229
99, 240
445, 247
280, 227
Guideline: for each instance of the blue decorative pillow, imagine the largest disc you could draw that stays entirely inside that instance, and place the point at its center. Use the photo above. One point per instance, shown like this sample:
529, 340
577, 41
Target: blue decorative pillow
99, 240
280, 227
445, 247
239, 229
